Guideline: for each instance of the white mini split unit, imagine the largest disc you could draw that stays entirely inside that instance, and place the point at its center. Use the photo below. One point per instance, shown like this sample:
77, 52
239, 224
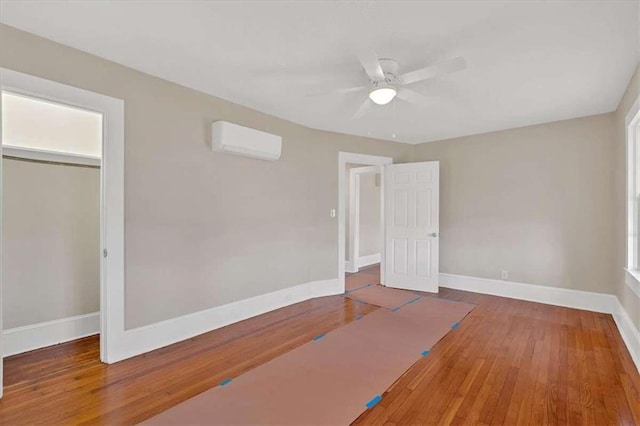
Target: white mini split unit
234, 139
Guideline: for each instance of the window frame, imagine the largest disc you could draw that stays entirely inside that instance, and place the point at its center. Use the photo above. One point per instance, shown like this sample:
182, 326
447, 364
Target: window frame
632, 263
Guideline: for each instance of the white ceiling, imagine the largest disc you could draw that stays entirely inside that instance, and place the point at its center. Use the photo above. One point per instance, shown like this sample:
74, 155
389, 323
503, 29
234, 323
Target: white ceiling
528, 62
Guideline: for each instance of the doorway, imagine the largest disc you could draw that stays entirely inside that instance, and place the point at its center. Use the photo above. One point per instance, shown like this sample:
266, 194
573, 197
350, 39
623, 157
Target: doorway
51, 220
409, 213
110, 246
363, 232
352, 161
364, 222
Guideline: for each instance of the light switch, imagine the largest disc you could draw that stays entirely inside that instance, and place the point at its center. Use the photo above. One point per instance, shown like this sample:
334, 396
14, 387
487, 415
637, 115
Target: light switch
332, 213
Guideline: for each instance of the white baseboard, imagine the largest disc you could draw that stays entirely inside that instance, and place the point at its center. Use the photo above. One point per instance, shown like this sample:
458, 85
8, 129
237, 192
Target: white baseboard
577, 299
29, 337
154, 336
325, 288
360, 262
349, 266
372, 259
629, 332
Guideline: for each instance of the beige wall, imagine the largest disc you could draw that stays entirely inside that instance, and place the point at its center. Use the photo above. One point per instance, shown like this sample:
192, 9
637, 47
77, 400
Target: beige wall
536, 201
201, 228
51, 234
370, 226
628, 298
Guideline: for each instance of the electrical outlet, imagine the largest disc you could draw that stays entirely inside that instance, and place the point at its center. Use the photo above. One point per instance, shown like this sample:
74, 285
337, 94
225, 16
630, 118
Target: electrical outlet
505, 274
332, 213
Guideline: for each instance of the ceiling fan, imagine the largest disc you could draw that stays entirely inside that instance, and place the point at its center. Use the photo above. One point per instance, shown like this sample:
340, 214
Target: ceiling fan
385, 82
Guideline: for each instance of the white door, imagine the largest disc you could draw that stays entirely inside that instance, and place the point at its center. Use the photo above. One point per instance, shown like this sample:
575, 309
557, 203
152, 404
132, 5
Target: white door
412, 200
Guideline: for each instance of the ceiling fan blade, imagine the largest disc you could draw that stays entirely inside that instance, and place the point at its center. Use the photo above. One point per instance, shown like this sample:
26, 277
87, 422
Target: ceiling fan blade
414, 97
371, 64
342, 91
362, 110
348, 89
442, 68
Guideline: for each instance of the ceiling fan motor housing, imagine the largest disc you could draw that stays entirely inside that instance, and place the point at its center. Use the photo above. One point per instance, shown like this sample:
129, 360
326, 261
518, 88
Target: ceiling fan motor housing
390, 69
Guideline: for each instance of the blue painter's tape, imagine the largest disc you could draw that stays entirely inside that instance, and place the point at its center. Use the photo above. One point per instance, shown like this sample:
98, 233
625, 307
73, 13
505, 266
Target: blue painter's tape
455, 325
225, 382
359, 317
415, 299
424, 353
359, 288
318, 337
374, 401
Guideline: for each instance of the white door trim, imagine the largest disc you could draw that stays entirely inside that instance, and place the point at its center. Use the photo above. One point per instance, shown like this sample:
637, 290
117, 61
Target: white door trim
53, 156
355, 261
112, 191
354, 158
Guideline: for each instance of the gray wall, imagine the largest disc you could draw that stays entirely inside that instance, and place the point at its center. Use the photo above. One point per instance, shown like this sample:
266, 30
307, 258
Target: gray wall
51, 255
204, 229
536, 201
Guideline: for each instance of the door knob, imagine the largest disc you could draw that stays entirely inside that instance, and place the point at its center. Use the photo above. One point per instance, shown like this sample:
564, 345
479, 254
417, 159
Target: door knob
435, 234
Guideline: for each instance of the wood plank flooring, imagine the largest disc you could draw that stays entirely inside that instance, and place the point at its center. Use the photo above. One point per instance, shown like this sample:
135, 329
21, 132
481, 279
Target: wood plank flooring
510, 362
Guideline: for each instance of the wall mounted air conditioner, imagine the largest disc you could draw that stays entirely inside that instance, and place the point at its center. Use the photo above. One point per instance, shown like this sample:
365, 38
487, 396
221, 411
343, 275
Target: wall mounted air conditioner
234, 139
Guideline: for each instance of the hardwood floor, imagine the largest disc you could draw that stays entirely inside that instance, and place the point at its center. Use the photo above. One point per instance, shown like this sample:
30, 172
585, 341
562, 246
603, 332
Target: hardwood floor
509, 362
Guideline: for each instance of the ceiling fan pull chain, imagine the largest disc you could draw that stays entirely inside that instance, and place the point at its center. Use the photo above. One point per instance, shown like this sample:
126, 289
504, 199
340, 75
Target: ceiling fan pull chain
393, 121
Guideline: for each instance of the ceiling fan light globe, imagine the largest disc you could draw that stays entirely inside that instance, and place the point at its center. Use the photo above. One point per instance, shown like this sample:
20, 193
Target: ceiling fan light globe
382, 95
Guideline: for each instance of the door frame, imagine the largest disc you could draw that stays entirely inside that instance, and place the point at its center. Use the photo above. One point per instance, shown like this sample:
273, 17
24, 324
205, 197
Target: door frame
354, 214
111, 192
367, 160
